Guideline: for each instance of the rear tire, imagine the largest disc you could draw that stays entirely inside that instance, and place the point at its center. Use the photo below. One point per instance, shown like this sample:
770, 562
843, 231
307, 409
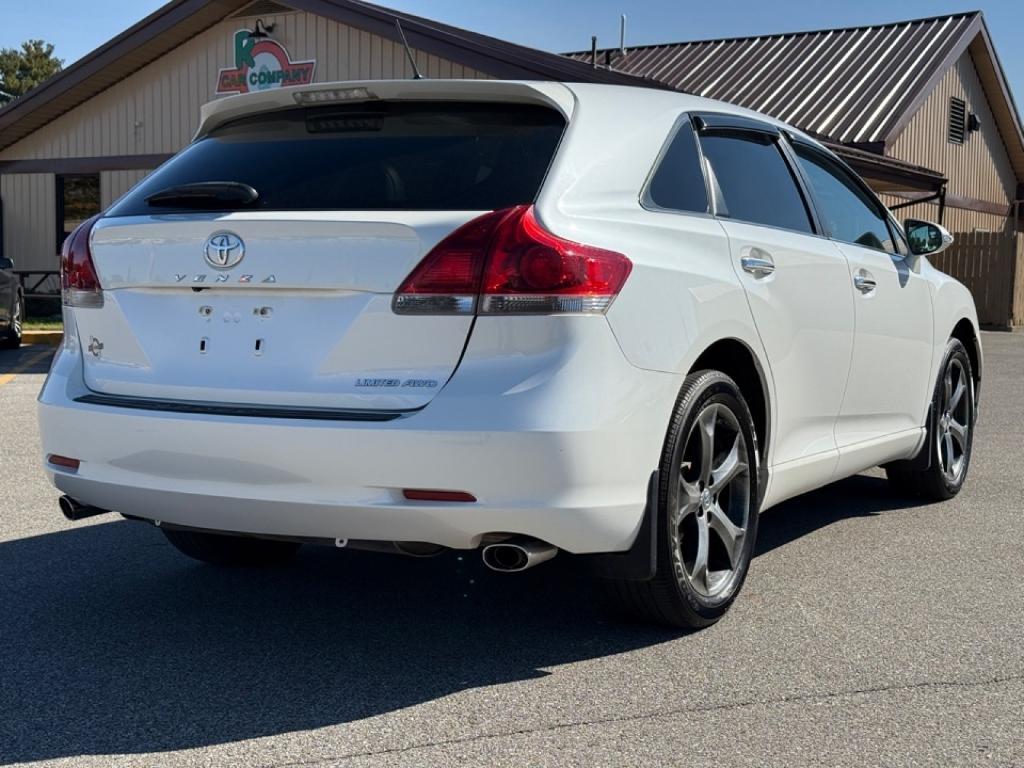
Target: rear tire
12, 338
232, 551
950, 439
707, 509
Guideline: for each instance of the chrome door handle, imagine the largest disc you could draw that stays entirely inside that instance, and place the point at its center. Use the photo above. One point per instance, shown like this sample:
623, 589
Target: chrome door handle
864, 282
759, 263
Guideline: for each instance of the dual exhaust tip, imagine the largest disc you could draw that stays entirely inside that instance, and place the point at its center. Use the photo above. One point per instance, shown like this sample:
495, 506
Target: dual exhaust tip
517, 554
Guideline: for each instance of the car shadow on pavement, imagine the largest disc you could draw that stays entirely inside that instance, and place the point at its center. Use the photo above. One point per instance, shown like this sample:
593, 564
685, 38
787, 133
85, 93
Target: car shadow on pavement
26, 359
113, 643
857, 496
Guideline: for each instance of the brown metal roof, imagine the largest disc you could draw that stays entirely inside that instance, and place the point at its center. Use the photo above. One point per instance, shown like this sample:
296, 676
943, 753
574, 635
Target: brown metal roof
180, 20
850, 85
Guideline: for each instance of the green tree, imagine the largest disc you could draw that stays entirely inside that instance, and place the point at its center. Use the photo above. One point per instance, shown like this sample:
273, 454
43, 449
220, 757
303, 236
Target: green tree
24, 69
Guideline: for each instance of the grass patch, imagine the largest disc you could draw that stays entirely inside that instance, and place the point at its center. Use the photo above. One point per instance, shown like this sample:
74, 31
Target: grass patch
50, 323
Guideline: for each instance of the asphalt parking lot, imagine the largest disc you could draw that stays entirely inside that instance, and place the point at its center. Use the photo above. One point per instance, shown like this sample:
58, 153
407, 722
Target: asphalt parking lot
872, 631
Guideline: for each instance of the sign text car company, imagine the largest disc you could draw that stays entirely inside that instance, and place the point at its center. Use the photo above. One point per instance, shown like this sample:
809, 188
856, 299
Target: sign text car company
261, 64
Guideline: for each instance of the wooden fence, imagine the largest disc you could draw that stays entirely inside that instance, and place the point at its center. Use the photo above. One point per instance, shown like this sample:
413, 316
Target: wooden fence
989, 264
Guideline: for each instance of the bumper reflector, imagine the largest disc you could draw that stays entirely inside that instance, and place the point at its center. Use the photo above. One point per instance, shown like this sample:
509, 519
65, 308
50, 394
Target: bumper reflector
413, 494
63, 461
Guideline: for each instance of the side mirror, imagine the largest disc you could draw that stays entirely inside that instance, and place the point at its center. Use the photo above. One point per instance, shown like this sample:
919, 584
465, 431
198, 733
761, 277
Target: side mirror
6, 263
925, 238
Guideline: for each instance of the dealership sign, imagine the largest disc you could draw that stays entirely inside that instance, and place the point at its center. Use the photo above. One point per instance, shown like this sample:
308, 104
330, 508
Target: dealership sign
261, 64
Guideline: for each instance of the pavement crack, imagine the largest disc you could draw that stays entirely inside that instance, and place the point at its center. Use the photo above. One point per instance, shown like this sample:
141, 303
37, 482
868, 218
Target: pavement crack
698, 709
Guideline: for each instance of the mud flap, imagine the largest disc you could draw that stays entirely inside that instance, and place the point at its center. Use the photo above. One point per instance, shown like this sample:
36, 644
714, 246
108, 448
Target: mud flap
923, 459
640, 561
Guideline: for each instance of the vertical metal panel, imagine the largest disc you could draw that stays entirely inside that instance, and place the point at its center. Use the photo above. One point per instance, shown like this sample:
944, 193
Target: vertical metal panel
114, 184
156, 109
985, 256
978, 168
30, 222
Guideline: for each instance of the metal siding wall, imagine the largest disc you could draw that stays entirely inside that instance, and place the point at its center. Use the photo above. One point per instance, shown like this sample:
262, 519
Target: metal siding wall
987, 254
156, 110
980, 167
113, 184
30, 223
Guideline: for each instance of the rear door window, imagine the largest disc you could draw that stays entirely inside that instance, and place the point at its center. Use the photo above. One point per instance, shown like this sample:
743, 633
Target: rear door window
370, 156
753, 181
678, 183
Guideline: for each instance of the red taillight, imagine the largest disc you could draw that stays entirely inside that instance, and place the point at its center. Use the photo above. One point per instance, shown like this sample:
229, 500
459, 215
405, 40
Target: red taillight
505, 262
533, 271
80, 285
448, 279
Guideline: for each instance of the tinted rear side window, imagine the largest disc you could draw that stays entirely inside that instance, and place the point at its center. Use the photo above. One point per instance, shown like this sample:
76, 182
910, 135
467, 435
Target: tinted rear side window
678, 183
374, 156
755, 182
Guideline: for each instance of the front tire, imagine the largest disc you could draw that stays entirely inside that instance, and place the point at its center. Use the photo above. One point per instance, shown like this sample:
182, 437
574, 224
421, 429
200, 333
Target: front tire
707, 509
951, 439
231, 551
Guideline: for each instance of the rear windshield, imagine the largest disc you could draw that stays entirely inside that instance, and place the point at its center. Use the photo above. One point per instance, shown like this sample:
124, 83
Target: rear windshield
376, 156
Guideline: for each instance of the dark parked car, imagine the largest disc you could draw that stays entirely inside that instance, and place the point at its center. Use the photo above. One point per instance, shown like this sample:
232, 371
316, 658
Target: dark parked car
12, 306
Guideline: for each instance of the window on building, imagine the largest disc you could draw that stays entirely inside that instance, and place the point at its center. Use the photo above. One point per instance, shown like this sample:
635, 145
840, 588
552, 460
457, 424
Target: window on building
678, 183
848, 212
957, 120
755, 181
78, 198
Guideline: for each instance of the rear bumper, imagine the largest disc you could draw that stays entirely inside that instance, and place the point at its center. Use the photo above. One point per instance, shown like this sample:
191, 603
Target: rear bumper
548, 454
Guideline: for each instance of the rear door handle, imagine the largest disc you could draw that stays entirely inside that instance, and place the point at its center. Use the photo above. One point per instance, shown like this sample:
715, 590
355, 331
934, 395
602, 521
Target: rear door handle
759, 263
864, 282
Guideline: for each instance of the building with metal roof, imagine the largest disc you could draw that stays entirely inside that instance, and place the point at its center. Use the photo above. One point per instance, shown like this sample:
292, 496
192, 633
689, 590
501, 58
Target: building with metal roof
78, 141
920, 108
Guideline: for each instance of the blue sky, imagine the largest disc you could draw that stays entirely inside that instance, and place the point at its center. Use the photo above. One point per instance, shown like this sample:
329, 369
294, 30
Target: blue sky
560, 25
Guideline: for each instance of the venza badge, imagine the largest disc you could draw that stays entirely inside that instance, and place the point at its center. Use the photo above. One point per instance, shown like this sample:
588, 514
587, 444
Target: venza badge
224, 250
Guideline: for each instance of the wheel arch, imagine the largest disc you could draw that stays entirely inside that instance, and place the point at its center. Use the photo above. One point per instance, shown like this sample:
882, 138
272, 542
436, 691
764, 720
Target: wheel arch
965, 331
737, 360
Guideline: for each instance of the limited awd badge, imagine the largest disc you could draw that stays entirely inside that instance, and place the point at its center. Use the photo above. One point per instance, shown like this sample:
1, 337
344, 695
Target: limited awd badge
224, 250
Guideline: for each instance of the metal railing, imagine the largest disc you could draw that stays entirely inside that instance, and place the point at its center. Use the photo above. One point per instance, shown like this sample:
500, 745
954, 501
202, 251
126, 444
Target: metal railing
39, 283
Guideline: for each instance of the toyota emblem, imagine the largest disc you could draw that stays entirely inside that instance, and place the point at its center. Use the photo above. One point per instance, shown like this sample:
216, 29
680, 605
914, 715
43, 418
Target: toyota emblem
224, 250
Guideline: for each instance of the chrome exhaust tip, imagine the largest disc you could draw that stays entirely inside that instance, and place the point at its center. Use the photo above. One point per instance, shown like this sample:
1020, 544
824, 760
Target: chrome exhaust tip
517, 555
74, 511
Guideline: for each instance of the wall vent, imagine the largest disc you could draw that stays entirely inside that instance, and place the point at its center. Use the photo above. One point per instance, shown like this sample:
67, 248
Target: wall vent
262, 8
957, 120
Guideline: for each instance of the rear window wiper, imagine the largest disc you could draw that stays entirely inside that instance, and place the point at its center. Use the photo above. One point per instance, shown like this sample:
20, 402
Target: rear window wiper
204, 194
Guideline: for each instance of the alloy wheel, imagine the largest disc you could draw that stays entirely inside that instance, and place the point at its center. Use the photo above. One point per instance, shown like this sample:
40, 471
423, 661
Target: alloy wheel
16, 322
714, 502
954, 422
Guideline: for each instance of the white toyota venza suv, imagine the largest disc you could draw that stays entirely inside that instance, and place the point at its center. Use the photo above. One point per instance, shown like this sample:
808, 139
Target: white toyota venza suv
518, 317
